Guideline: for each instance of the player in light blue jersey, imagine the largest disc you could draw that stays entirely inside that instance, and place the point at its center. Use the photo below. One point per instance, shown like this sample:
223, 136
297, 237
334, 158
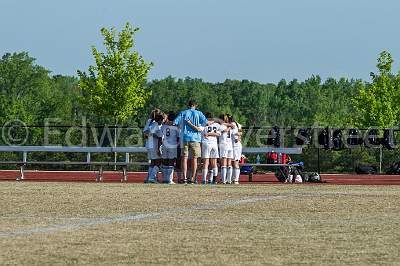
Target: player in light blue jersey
190, 138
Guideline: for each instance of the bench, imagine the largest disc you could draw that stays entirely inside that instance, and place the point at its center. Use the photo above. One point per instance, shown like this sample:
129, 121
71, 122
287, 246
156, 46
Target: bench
124, 165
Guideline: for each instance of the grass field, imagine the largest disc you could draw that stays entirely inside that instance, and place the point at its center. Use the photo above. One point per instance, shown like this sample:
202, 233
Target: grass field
116, 224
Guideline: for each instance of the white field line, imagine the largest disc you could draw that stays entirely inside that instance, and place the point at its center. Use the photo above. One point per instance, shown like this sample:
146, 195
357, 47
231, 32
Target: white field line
156, 215
4, 217
134, 217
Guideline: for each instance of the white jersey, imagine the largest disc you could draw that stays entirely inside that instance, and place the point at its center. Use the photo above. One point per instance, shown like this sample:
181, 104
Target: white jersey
213, 128
146, 131
236, 140
146, 127
170, 136
226, 138
154, 133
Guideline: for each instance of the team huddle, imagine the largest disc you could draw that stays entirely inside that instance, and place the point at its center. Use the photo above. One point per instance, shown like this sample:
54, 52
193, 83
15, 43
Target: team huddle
174, 141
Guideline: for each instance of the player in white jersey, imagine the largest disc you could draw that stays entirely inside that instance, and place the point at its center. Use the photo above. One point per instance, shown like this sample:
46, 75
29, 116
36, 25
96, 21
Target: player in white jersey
225, 149
237, 148
209, 148
153, 146
146, 131
169, 148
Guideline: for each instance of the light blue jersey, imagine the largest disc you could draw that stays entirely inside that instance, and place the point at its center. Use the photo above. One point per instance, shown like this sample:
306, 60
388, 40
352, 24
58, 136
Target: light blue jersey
197, 118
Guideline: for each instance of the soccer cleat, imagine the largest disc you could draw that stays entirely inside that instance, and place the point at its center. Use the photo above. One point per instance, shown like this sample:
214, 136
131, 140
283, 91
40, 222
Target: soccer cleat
236, 182
171, 183
152, 181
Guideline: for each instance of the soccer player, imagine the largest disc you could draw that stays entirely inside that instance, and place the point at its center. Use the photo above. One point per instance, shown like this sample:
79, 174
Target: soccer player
146, 131
154, 142
209, 149
169, 147
237, 148
226, 150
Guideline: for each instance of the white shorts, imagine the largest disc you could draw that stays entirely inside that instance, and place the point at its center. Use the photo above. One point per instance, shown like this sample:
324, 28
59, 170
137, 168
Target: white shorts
209, 150
152, 154
169, 153
225, 151
237, 153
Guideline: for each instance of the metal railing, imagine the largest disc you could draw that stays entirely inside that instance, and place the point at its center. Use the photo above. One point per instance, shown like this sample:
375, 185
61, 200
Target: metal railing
25, 150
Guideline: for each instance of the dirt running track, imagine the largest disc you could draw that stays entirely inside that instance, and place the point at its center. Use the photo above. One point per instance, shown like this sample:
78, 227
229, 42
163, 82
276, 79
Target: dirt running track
138, 177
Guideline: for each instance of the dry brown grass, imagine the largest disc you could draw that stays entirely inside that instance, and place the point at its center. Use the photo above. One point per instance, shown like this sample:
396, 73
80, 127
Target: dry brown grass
278, 225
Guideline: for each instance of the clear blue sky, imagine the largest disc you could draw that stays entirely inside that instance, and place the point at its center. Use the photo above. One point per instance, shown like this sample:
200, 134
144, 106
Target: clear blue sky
261, 40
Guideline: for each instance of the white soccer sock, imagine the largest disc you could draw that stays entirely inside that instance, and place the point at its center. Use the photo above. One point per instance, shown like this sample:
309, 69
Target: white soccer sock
169, 174
204, 176
154, 172
229, 174
236, 174
215, 173
211, 173
149, 172
223, 174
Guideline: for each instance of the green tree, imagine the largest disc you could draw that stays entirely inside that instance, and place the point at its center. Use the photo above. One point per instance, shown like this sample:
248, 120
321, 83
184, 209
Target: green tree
333, 107
115, 85
30, 94
378, 103
24, 87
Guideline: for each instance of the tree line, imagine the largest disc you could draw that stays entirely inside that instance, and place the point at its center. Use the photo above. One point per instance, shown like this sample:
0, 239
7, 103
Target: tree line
30, 93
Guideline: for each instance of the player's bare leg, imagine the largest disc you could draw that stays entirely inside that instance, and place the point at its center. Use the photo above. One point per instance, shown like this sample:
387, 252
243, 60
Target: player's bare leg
236, 172
194, 169
184, 168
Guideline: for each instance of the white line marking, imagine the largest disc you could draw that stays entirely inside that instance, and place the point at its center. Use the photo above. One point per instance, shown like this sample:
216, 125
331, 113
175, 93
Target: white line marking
134, 217
156, 215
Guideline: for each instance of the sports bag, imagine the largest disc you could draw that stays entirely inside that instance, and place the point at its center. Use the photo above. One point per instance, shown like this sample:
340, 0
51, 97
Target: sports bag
311, 177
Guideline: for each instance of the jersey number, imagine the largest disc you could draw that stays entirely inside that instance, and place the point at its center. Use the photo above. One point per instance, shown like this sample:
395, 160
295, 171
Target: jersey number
210, 129
168, 132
